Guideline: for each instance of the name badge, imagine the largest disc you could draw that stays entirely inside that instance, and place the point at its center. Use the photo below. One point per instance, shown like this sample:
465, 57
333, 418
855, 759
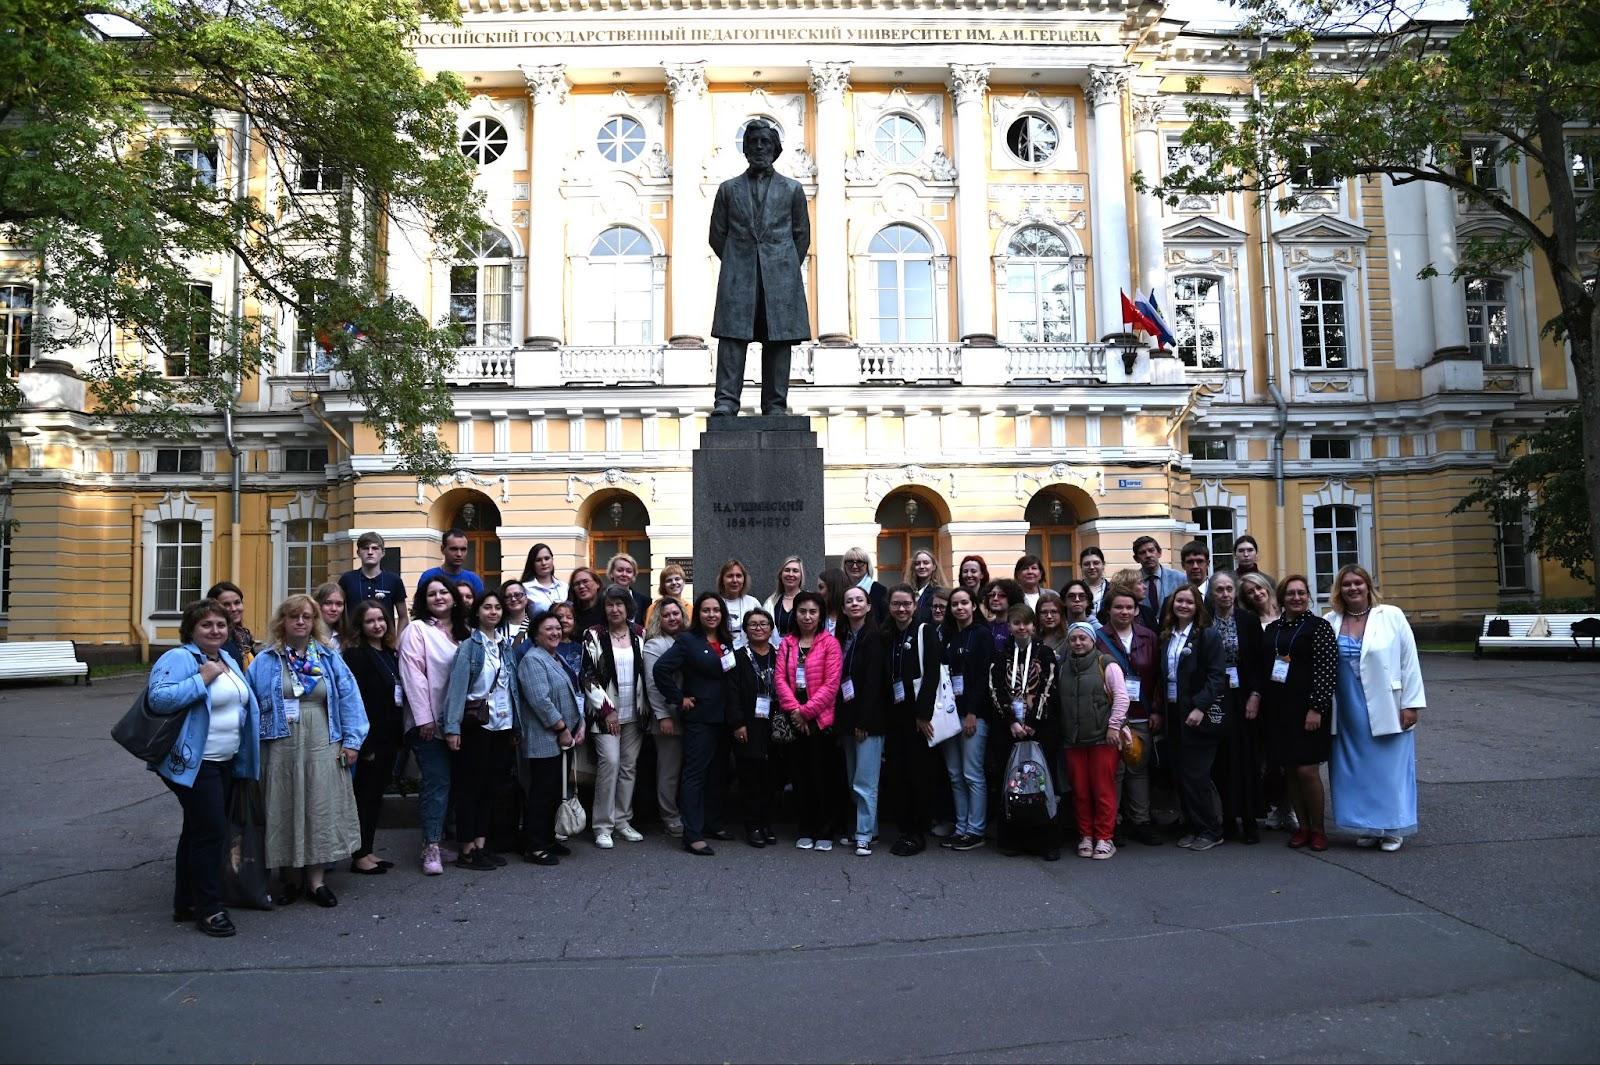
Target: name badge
1233, 676
1133, 684
727, 661
958, 684
799, 676
899, 691
1280, 670
501, 700
1172, 690
1018, 709
848, 690
291, 710
763, 706
399, 695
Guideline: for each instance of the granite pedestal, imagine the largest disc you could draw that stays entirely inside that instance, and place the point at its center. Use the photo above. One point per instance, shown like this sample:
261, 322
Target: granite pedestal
757, 498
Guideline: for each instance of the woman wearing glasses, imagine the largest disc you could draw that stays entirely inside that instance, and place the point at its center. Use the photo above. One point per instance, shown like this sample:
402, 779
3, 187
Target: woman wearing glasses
1302, 667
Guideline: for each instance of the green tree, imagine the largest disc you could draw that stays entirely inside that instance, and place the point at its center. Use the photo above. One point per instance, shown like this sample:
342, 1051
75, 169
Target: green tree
1356, 88
121, 126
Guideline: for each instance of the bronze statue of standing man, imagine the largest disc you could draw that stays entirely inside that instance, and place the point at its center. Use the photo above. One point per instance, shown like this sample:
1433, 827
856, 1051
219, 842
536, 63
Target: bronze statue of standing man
761, 232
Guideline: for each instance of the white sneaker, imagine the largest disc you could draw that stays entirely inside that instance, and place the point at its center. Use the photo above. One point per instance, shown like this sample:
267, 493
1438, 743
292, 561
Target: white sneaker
602, 839
432, 864
629, 833
1086, 847
804, 843
1104, 849
863, 848
1366, 842
1390, 843
823, 845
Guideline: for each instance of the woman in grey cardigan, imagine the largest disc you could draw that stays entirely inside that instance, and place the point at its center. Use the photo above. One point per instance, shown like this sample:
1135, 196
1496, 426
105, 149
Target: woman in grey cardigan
549, 722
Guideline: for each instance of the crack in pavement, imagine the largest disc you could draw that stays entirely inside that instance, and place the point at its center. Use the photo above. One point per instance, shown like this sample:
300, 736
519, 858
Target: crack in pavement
81, 872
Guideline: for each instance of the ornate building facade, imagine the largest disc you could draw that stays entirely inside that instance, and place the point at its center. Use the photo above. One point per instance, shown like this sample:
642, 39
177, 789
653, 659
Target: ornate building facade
969, 166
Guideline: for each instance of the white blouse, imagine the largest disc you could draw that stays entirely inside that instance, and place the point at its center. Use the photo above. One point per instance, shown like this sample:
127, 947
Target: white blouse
227, 717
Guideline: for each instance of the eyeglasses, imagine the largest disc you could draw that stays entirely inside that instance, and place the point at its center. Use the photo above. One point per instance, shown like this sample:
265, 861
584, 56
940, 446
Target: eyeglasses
854, 563
1076, 595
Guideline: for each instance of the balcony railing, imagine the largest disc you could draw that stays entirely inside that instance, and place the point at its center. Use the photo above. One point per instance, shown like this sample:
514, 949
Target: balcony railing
639, 365
484, 366
1056, 362
910, 362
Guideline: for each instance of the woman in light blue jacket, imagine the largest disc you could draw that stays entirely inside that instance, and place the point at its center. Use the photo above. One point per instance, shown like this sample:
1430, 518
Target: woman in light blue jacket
478, 729
549, 720
312, 726
218, 744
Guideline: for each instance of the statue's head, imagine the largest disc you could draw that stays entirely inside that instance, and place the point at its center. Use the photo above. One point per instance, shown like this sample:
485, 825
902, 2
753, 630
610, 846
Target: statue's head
762, 144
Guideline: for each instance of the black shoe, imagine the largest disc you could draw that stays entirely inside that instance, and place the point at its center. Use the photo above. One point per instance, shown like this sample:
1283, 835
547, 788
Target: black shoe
376, 870
755, 839
474, 859
217, 925
1252, 834
324, 897
541, 858
493, 856
384, 864
722, 834
721, 412
906, 846
561, 850
1148, 834
969, 842
699, 850
769, 837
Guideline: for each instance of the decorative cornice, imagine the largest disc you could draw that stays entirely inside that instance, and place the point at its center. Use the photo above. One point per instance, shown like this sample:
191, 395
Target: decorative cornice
1105, 85
829, 80
968, 82
547, 83
686, 81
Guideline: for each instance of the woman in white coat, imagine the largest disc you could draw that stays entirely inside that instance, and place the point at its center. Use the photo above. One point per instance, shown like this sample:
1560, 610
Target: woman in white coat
1373, 769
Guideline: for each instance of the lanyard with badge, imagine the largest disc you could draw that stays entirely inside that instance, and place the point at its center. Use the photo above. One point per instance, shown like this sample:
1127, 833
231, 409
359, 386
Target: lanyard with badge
764, 672
1123, 657
724, 655
1280, 663
1230, 647
958, 660
302, 669
898, 667
1175, 646
399, 691
1019, 679
847, 687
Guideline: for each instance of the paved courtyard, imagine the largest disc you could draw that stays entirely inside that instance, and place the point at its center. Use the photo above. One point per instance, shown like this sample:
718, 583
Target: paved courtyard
1480, 941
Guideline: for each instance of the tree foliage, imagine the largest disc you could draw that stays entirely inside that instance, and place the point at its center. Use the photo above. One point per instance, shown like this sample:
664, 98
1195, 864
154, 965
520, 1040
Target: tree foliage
113, 118
1357, 88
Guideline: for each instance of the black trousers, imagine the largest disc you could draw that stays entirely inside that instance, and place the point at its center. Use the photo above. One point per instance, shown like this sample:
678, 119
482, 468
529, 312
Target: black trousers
816, 787
484, 760
204, 835
910, 778
1196, 790
374, 770
755, 792
705, 761
544, 798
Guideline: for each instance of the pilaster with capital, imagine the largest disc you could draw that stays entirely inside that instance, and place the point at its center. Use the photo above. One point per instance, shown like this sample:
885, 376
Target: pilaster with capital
1108, 184
829, 82
692, 291
547, 91
969, 87
1147, 112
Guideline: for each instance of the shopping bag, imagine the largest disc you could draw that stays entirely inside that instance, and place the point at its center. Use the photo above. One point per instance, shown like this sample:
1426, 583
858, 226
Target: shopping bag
946, 718
570, 817
1030, 795
246, 880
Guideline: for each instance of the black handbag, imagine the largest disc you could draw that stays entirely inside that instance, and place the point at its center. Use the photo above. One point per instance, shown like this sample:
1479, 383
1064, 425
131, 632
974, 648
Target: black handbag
246, 880
145, 734
783, 730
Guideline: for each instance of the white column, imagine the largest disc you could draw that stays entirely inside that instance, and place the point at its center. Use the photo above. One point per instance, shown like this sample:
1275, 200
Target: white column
1108, 185
1147, 160
828, 84
692, 295
969, 87
547, 88
1448, 295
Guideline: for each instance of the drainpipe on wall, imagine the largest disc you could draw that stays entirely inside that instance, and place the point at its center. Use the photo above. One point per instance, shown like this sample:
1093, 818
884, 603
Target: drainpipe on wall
137, 584
235, 483
1270, 308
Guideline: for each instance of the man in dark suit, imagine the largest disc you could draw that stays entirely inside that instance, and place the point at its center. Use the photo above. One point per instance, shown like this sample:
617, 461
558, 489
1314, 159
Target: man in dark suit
761, 232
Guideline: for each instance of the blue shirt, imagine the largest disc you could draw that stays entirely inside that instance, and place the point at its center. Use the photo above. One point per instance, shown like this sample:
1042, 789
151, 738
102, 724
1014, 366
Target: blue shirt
387, 588
454, 578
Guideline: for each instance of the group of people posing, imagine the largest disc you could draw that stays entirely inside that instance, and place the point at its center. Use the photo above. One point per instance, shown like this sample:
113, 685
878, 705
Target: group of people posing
1227, 684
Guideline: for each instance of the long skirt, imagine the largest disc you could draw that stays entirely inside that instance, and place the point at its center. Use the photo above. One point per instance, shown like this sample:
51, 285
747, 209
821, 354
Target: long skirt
311, 806
1237, 770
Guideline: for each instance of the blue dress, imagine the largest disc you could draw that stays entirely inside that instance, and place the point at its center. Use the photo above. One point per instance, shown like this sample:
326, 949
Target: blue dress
1373, 778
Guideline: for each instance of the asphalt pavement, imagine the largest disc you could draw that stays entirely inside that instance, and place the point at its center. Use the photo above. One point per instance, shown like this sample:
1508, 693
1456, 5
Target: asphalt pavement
1478, 941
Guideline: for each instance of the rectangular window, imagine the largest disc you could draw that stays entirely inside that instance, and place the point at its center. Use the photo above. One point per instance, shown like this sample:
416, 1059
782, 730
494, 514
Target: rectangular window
1488, 336
1210, 447
199, 165
178, 550
1513, 556
307, 555
1197, 321
1216, 529
5, 567
1479, 163
178, 460
1314, 169
16, 317
1335, 543
304, 459
1585, 156
315, 176
189, 347
1197, 158
1332, 447
1323, 342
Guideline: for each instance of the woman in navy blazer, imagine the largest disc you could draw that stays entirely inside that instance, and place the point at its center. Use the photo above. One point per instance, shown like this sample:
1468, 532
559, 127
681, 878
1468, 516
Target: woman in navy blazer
1194, 681
702, 660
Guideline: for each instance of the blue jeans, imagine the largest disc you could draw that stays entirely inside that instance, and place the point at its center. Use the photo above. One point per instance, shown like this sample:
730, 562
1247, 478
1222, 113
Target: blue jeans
433, 798
963, 761
862, 763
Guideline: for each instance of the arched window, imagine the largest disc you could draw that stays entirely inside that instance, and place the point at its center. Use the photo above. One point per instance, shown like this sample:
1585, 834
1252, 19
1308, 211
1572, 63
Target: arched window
619, 526
899, 139
1051, 525
620, 305
906, 523
1216, 530
480, 292
1488, 337
178, 570
902, 274
1323, 341
1335, 542
1038, 287
480, 520
16, 317
1197, 320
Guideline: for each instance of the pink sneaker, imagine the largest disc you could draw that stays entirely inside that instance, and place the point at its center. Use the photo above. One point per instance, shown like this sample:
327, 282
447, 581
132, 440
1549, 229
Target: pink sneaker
432, 864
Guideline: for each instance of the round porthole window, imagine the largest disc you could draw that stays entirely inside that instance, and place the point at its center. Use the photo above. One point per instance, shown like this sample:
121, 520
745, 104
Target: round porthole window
620, 140
1033, 139
484, 140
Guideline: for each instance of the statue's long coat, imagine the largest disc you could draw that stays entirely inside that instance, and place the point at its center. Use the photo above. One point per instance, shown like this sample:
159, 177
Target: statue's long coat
774, 245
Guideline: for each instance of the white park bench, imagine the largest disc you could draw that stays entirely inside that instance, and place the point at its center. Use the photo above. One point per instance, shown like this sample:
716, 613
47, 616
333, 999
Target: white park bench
1519, 638
41, 659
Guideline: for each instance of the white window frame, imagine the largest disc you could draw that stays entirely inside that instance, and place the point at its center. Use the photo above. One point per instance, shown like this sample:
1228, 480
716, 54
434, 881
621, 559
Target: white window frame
602, 274
476, 333
1474, 170
1583, 157
5, 556
1212, 536
1012, 260
1337, 493
187, 153
903, 116
18, 328
1329, 439
173, 507
620, 139
1306, 168
1226, 440
1034, 115
1482, 348
1529, 561
189, 354
1212, 494
305, 506
314, 178
899, 260
1343, 303
477, 139
1219, 302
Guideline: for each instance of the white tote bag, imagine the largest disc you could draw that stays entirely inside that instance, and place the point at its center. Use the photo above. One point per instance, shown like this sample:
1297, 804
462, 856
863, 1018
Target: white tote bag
946, 718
